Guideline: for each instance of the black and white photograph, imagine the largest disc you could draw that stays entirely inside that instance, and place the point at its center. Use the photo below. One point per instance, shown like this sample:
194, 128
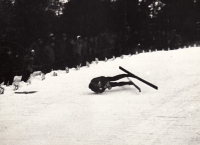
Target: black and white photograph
99, 72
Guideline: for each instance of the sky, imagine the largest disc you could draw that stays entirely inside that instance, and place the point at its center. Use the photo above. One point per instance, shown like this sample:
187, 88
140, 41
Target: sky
64, 111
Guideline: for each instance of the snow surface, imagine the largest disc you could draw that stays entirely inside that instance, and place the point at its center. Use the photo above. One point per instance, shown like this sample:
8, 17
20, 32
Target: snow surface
65, 111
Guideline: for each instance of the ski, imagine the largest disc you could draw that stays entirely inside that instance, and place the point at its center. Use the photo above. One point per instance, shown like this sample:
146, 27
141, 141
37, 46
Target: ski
140, 79
26, 92
134, 84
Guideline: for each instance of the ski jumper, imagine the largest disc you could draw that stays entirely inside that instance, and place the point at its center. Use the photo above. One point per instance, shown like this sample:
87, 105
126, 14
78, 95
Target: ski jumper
100, 84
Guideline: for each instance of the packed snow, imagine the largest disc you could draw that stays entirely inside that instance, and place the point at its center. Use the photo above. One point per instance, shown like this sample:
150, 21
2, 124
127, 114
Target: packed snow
64, 111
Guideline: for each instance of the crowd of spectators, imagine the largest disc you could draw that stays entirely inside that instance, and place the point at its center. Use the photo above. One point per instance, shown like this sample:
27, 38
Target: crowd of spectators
58, 52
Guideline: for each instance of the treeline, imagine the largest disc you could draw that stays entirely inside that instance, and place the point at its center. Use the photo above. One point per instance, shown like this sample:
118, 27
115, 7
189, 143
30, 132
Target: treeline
24, 21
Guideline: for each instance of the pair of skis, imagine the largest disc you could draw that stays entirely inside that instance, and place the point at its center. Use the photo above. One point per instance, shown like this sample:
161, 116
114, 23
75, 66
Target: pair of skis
140, 79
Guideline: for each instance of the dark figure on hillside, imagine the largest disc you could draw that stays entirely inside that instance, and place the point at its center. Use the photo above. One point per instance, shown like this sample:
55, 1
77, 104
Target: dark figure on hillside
78, 52
71, 54
9, 64
51, 37
91, 49
68, 54
37, 46
60, 52
100, 84
49, 57
85, 50
28, 67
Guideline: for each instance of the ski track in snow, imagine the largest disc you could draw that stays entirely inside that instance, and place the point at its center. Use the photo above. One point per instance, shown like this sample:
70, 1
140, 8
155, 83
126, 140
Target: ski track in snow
65, 111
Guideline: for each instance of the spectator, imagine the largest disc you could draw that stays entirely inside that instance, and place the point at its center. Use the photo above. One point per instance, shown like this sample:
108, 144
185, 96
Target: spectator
18, 63
96, 48
60, 52
71, 54
101, 46
91, 47
52, 37
78, 52
9, 64
37, 46
68, 54
85, 50
28, 67
49, 57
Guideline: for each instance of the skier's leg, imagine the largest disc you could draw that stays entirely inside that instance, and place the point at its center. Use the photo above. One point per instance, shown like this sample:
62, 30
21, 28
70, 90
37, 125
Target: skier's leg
25, 75
11, 77
117, 77
6, 78
116, 84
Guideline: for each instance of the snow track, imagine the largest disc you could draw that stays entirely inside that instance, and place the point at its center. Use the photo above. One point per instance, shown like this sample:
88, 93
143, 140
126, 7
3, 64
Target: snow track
64, 111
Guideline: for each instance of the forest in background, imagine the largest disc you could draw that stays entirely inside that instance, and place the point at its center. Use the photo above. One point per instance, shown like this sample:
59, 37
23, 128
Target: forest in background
24, 21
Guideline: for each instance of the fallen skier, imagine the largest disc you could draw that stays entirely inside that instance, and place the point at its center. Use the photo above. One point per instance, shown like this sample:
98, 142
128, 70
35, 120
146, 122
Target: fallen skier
100, 84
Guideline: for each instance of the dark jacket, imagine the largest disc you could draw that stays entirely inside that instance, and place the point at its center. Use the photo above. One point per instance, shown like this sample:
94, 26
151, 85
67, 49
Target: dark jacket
49, 54
85, 47
61, 49
28, 62
8, 63
78, 49
38, 48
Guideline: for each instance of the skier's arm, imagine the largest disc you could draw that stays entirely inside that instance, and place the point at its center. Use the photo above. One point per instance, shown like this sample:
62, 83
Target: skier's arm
101, 90
100, 85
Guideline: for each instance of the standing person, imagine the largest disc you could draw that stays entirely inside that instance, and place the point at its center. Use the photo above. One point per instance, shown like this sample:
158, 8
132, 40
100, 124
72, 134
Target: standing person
18, 63
49, 57
37, 46
68, 54
28, 65
85, 50
9, 64
100, 46
71, 54
91, 49
60, 52
96, 49
78, 52
51, 37
100, 84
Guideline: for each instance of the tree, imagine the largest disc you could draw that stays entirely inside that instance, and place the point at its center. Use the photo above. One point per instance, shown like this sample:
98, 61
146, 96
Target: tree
33, 19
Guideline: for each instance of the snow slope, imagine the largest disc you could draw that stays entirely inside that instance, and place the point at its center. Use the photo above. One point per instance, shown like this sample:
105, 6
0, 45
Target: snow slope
65, 111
